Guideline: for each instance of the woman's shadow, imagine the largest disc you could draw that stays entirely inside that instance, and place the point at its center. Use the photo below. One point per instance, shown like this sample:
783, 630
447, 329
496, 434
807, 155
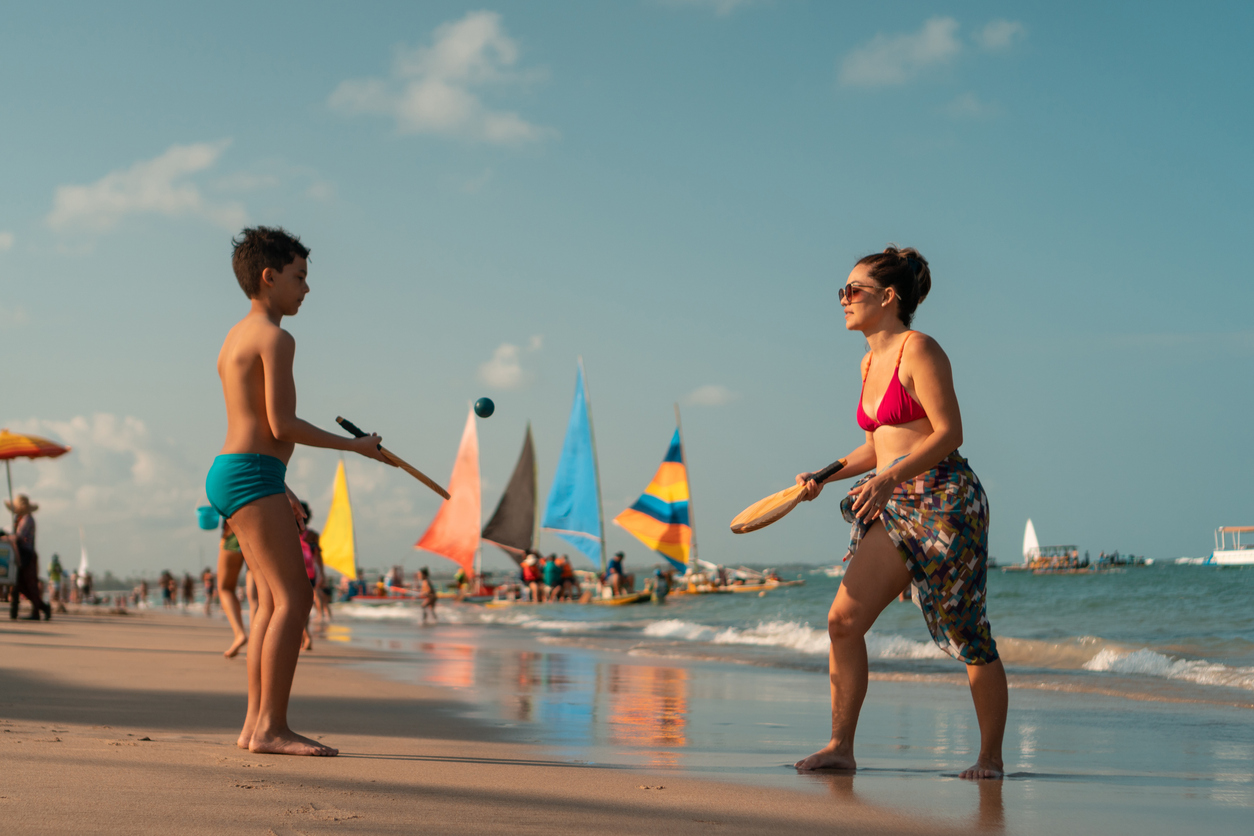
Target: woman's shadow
989, 815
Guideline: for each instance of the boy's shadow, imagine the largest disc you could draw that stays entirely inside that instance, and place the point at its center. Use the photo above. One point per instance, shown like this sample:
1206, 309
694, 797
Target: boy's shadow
990, 814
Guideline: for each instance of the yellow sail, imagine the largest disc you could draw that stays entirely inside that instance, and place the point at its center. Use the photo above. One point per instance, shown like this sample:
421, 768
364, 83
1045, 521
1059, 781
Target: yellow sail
338, 550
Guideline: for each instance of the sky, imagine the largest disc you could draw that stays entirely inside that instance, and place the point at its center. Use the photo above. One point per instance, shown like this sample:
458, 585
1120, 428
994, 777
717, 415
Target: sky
672, 190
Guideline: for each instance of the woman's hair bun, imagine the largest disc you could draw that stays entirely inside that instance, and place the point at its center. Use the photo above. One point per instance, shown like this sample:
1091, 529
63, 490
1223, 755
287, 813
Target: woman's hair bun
905, 270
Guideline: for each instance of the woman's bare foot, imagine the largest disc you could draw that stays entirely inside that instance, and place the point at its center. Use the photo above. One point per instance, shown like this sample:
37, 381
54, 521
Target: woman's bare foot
245, 736
307, 641
984, 768
829, 757
240, 641
290, 743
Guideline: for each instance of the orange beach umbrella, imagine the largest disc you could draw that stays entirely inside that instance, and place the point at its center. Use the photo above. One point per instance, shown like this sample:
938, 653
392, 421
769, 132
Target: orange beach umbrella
18, 446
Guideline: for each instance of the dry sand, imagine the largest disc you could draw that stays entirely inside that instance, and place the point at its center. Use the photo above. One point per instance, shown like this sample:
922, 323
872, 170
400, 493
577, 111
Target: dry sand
127, 724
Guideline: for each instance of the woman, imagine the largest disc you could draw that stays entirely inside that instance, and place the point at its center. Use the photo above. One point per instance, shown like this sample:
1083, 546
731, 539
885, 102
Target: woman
23, 540
230, 561
311, 548
921, 518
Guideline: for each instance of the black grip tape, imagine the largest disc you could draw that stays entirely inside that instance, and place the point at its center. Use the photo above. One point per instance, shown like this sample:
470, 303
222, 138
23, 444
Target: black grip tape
350, 426
828, 472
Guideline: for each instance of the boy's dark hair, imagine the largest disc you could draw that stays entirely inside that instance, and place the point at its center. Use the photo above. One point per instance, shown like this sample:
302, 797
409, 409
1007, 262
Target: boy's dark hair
259, 247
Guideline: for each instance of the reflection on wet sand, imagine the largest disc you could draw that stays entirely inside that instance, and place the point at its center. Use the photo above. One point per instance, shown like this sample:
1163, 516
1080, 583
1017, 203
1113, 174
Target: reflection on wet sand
649, 707
989, 815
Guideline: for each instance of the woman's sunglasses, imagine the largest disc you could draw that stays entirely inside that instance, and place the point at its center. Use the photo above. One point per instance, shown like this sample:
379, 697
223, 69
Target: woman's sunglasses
848, 294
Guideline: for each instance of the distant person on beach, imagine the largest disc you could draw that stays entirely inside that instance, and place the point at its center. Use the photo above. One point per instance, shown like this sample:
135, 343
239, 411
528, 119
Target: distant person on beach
428, 595
920, 518
312, 555
246, 482
189, 590
210, 586
551, 571
23, 541
311, 550
56, 577
531, 576
230, 562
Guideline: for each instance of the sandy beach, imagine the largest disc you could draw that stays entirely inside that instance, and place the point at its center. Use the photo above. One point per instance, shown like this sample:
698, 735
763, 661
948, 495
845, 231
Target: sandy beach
125, 724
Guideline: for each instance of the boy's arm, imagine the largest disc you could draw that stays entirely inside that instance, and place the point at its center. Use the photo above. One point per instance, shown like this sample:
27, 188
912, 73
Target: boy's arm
276, 357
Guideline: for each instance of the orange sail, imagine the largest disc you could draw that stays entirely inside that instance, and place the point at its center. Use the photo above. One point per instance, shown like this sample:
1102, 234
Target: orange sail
454, 533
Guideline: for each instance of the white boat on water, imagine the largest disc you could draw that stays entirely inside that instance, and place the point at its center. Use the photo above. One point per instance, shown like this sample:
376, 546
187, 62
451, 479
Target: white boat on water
1229, 550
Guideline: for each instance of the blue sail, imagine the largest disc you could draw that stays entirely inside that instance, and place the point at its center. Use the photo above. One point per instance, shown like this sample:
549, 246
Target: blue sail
573, 511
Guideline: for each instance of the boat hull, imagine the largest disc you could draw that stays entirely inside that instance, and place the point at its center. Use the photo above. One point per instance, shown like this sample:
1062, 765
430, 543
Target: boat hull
1232, 557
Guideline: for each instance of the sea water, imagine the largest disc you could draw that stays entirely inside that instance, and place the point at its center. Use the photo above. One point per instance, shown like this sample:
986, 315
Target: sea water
1130, 704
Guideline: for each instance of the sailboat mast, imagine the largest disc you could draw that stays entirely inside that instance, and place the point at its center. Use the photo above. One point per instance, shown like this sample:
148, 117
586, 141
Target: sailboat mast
596, 465
692, 520
535, 494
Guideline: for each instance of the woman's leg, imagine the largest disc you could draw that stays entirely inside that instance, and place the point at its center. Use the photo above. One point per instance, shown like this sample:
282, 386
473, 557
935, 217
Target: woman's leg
268, 535
988, 691
229, 564
876, 575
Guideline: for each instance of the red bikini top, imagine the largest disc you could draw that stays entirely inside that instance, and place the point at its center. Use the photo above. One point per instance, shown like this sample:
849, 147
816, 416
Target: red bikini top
896, 407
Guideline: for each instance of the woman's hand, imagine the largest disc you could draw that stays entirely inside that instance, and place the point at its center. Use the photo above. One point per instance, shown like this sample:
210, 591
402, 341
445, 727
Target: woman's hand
368, 446
297, 511
871, 497
813, 488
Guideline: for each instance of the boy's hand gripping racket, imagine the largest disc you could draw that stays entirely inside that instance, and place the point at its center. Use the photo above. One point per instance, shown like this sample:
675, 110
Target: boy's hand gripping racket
766, 511
395, 459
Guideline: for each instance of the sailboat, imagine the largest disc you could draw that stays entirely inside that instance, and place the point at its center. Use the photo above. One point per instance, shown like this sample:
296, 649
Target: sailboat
454, 533
512, 527
662, 517
1031, 550
338, 541
573, 511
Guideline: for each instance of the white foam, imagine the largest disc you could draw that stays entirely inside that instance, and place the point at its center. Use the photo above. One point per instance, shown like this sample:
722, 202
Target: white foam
792, 635
379, 612
1146, 662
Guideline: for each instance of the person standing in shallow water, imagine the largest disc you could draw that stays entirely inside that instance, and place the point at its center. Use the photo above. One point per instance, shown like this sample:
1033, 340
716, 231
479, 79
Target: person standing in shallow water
919, 519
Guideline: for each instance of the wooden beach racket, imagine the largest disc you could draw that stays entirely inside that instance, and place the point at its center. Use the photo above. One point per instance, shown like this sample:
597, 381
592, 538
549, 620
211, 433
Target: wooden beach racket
766, 511
395, 459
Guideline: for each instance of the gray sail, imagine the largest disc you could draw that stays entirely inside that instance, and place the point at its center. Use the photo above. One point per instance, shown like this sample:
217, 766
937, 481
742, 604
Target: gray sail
513, 524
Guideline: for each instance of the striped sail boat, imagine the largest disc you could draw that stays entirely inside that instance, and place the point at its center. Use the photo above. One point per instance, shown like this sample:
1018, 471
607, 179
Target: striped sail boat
573, 511
662, 517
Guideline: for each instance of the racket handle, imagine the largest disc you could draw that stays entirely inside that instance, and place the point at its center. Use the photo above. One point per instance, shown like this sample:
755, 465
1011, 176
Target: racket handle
829, 471
351, 427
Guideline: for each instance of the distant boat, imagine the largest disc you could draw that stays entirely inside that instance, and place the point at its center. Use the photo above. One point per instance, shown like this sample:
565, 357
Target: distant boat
1229, 550
454, 532
1031, 547
573, 511
337, 540
662, 517
512, 527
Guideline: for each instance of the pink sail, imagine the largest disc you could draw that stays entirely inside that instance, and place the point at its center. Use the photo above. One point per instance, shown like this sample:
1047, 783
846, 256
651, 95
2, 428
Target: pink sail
454, 533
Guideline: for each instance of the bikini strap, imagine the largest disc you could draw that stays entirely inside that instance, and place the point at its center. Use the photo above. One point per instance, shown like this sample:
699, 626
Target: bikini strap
901, 350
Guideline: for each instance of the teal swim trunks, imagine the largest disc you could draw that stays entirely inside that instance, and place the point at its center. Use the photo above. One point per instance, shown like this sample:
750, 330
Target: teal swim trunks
236, 479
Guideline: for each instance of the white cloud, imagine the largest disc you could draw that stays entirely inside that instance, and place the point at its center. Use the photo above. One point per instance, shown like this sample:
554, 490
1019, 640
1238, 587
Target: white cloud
536, 342
321, 191
6, 241
967, 106
722, 8
159, 186
432, 89
504, 370
12, 316
1000, 34
896, 59
713, 394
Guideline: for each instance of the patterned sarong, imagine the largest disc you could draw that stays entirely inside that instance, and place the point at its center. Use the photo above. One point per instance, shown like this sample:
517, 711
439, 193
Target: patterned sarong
939, 522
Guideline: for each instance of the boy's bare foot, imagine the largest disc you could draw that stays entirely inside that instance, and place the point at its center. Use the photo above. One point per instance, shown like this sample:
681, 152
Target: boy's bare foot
985, 768
290, 743
827, 758
307, 644
240, 641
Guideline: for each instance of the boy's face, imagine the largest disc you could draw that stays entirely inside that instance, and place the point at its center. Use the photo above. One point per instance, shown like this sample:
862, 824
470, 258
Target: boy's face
287, 287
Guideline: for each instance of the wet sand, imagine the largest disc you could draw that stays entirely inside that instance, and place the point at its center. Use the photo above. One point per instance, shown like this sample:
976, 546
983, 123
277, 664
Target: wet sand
127, 724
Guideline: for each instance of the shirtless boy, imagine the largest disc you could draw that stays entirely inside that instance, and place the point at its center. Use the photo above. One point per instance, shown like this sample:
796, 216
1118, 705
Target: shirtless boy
246, 482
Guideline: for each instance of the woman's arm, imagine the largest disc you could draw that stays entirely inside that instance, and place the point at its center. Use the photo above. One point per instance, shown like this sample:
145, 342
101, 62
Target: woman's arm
858, 462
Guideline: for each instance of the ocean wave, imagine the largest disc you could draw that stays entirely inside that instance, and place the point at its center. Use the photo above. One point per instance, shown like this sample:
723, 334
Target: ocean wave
379, 612
1146, 662
791, 635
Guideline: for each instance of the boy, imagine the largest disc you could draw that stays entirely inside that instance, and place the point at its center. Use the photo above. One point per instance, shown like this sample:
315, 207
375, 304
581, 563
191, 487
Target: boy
246, 484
